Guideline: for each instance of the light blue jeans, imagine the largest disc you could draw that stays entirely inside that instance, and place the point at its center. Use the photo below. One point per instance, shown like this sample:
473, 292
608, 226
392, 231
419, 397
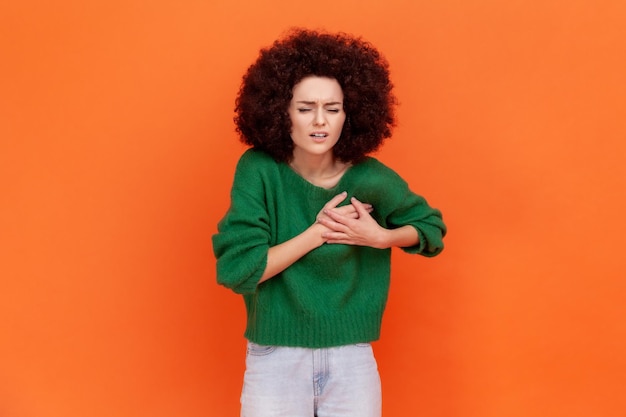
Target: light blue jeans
299, 382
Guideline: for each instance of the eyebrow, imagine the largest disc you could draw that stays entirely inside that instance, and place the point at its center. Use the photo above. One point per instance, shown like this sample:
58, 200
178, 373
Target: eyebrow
331, 103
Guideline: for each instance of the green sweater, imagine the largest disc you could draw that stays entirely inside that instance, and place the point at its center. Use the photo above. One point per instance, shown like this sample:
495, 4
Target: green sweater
334, 295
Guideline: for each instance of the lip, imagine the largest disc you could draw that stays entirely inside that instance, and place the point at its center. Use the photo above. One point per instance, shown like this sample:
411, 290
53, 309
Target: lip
319, 139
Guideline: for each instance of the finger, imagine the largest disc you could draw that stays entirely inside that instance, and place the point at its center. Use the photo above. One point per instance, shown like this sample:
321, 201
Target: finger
368, 207
351, 209
348, 211
335, 215
342, 240
335, 237
336, 200
360, 208
334, 221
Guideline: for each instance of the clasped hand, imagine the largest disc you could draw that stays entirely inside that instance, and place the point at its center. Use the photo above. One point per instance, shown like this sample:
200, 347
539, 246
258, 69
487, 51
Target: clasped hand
351, 224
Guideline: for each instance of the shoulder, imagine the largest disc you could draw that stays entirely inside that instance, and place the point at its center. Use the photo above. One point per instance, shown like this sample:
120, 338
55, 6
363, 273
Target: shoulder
253, 158
378, 184
375, 170
254, 164
255, 169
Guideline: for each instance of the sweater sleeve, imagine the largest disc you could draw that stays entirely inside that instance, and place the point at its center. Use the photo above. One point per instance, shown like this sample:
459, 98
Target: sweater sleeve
414, 210
243, 238
399, 206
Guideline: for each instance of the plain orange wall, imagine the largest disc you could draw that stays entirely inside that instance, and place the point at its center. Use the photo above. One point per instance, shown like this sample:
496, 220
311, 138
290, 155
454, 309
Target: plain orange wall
117, 149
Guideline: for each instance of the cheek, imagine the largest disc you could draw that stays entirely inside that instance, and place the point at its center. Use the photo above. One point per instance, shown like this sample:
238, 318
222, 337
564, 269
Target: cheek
302, 123
294, 126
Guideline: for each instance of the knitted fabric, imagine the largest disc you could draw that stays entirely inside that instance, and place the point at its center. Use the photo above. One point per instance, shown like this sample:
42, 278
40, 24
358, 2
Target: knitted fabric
334, 295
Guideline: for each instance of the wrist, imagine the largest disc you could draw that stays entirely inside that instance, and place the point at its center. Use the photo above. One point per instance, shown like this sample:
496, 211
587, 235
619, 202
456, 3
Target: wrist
404, 236
314, 233
387, 239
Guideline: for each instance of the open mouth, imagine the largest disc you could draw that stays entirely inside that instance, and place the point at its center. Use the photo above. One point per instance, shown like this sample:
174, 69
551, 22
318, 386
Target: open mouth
318, 137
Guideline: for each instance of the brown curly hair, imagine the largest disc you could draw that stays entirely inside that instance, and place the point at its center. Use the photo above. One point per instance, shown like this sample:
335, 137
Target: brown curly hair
261, 106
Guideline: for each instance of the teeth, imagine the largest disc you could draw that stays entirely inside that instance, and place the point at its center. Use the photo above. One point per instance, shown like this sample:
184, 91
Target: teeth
318, 135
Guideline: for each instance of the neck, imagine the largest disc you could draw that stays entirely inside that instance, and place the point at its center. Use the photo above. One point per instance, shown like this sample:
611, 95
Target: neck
314, 165
323, 170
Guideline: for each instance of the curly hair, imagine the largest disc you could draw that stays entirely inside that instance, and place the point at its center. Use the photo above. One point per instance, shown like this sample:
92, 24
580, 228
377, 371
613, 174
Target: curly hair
362, 72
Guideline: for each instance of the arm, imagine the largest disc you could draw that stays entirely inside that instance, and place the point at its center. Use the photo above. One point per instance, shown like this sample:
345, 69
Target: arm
283, 255
365, 231
397, 209
241, 246
414, 226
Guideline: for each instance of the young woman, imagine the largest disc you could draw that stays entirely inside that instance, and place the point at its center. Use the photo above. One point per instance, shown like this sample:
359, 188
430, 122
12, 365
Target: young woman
307, 238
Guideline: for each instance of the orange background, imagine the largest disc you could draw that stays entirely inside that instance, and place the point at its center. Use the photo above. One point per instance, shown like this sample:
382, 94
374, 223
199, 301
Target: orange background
117, 150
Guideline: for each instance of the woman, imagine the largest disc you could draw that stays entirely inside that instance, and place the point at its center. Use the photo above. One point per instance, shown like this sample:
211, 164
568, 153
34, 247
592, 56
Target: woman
308, 236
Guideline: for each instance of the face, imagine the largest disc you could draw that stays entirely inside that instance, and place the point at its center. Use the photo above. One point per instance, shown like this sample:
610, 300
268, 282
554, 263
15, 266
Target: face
317, 116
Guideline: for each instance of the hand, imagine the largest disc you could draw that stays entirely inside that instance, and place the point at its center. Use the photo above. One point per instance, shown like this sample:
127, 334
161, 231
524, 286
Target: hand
349, 210
352, 229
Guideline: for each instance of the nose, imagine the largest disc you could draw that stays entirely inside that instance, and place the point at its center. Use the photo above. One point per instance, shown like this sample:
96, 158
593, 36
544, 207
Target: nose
319, 118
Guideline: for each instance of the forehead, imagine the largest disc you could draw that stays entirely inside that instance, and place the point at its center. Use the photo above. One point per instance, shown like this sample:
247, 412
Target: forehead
314, 88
